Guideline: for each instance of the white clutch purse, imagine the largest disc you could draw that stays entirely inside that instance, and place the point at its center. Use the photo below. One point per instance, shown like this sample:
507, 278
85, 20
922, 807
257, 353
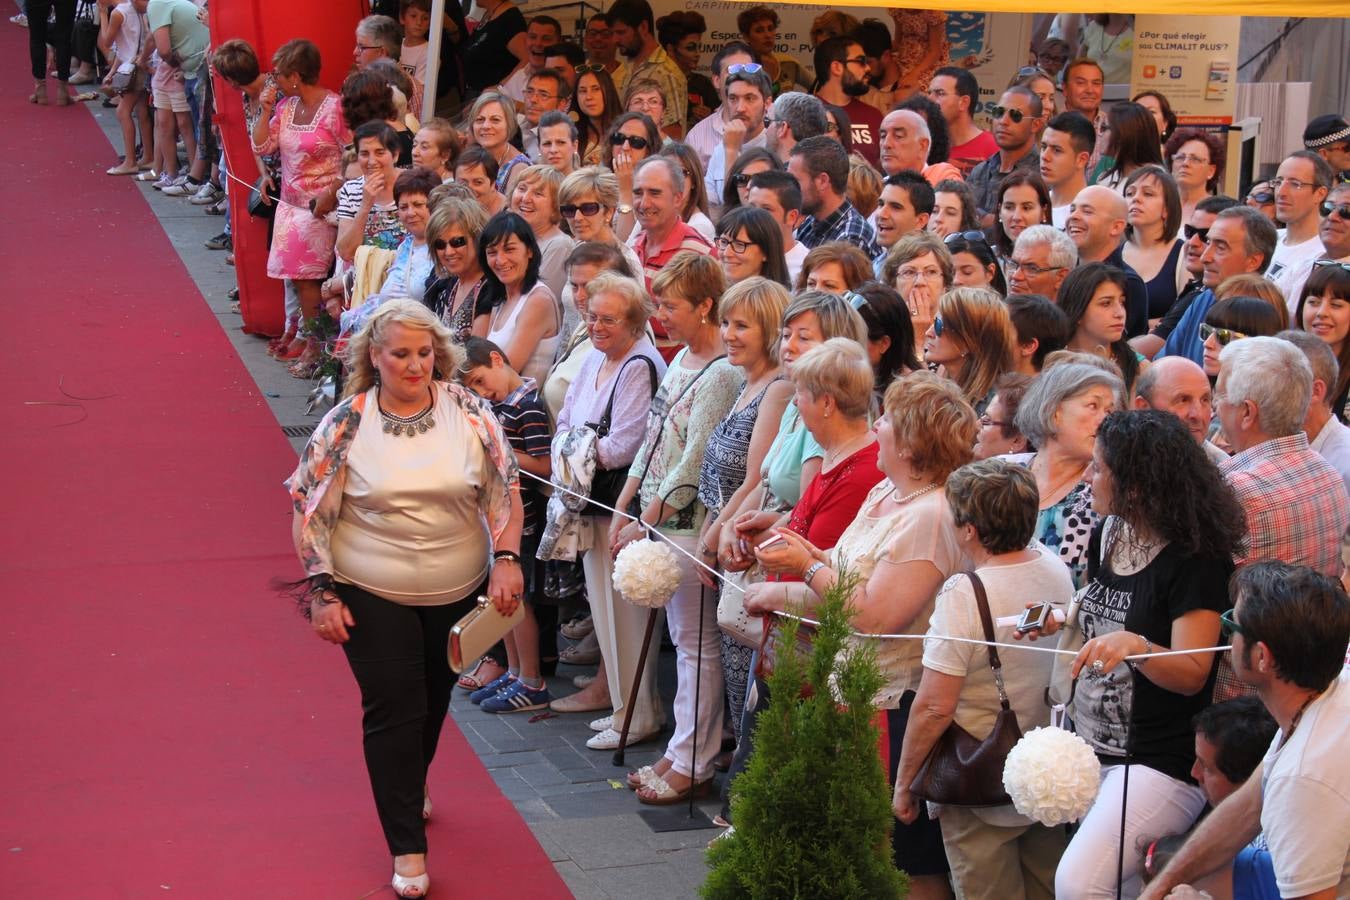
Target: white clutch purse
473, 635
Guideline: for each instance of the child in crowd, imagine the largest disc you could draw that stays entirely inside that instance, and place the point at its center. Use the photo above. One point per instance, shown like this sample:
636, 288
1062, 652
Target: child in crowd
415, 17
520, 409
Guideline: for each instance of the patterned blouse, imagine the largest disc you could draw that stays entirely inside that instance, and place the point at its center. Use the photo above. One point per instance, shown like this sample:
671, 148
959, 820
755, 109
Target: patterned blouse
681, 420
316, 486
724, 460
1066, 527
440, 298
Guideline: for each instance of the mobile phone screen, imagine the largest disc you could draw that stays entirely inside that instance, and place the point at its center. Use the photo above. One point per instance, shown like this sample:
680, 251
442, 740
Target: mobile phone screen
1034, 617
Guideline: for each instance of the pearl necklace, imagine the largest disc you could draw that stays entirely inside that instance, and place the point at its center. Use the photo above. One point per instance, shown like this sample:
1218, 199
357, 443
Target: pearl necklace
899, 501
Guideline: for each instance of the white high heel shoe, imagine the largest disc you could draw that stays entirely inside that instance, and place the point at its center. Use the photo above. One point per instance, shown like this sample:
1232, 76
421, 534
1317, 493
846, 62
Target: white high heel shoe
417, 886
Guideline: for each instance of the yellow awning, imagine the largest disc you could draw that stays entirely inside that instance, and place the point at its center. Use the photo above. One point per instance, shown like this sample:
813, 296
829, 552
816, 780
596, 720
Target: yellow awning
1315, 8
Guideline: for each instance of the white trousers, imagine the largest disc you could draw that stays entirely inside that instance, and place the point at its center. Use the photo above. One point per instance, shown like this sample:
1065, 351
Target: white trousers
1158, 805
691, 667
619, 626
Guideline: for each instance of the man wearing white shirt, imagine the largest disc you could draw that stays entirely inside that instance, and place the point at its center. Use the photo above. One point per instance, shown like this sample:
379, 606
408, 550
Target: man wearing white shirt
542, 32
707, 134
779, 194
1066, 147
746, 94
1303, 181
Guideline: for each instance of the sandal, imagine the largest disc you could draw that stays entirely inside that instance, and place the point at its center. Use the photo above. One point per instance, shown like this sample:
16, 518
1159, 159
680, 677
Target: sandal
656, 792
415, 886
39, 95
641, 778
484, 672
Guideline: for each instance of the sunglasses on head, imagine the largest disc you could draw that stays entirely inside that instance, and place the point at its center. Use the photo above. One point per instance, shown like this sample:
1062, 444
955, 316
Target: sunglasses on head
970, 237
569, 210
1345, 266
855, 300
1028, 71
1015, 114
747, 68
456, 242
637, 143
1336, 209
1224, 336
1191, 231
591, 69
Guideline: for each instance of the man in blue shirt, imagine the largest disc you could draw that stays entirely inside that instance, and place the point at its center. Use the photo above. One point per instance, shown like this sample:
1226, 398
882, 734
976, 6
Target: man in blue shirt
1240, 240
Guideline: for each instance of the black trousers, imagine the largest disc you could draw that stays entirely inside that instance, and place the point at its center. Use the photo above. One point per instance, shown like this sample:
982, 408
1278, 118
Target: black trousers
39, 36
398, 655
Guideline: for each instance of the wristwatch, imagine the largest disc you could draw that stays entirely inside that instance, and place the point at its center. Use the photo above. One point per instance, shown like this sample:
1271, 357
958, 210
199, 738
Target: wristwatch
811, 572
624, 209
510, 555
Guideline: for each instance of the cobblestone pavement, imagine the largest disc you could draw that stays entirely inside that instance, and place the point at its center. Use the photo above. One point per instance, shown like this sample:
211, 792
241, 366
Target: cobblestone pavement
572, 798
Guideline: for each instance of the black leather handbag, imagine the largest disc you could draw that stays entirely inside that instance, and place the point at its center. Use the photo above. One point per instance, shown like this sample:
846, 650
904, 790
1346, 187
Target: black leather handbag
607, 484
961, 770
256, 205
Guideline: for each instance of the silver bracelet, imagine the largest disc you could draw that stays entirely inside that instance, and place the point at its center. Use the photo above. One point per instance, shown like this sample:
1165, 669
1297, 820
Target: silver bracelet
811, 572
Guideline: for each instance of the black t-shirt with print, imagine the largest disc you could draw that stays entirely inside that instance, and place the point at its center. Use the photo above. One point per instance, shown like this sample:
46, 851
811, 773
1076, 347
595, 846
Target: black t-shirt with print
1123, 704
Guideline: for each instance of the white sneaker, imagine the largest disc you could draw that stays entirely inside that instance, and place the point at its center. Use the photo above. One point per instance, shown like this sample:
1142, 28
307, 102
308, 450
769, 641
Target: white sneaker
181, 187
603, 723
207, 194
21, 20
609, 740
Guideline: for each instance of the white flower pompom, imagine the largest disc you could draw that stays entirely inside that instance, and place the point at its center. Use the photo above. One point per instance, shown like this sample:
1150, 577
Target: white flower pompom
1052, 775
647, 573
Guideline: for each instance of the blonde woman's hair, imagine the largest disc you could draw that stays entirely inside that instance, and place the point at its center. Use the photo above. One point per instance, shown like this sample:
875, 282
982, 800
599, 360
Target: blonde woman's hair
837, 318
508, 108
932, 421
863, 186
1251, 284
410, 314
693, 277
596, 180
637, 305
467, 213
550, 177
839, 369
978, 321
764, 302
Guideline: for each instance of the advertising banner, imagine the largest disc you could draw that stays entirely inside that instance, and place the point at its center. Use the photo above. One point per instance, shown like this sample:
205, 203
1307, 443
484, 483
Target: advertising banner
1193, 61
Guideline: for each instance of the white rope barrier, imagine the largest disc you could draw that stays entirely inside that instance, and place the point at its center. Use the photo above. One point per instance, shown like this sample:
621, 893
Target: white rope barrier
654, 534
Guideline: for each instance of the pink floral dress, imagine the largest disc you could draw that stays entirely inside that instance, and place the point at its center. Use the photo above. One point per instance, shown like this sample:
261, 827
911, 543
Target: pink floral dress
311, 160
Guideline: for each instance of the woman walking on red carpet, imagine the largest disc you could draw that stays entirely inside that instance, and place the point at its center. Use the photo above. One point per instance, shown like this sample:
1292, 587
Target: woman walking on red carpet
407, 507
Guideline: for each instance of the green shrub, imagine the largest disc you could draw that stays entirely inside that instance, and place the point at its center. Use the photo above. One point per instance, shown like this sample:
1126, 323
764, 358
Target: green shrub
813, 806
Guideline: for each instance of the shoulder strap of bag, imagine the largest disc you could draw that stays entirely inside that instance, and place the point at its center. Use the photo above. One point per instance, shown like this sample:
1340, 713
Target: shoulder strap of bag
987, 620
602, 427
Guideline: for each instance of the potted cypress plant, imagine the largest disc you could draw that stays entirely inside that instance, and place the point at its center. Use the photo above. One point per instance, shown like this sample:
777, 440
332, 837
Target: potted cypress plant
813, 806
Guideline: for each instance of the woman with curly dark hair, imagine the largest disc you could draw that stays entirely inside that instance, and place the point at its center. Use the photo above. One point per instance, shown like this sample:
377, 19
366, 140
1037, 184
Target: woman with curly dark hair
1093, 297
1197, 159
941, 143
1158, 569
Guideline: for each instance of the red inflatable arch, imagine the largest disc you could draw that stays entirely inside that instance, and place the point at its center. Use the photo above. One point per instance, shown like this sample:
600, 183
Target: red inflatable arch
331, 24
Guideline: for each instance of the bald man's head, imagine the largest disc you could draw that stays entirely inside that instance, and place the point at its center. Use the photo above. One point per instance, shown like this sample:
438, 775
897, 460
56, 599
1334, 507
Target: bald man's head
1177, 385
905, 140
1096, 222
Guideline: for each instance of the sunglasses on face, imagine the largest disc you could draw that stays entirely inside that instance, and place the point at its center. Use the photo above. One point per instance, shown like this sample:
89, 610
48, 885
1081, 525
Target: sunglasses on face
1192, 232
1015, 114
1224, 336
569, 210
970, 237
637, 143
741, 180
747, 68
937, 327
1261, 197
1335, 209
456, 242
856, 60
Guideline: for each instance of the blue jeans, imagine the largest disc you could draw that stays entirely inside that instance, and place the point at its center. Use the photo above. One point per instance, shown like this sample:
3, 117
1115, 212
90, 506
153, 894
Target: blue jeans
195, 88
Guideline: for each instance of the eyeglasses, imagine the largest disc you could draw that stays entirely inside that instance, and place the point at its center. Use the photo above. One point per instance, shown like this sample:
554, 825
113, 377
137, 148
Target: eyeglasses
1230, 626
369, 47
832, 127
589, 69
603, 321
569, 210
1224, 336
915, 274
619, 139
1341, 209
986, 422
937, 326
1191, 158
456, 242
1319, 263
1260, 197
747, 68
768, 121
856, 60
972, 237
536, 94
1031, 269
1016, 115
1294, 184
1192, 232
723, 242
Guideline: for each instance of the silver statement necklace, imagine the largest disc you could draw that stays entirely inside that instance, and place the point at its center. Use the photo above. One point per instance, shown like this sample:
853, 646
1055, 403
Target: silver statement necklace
412, 426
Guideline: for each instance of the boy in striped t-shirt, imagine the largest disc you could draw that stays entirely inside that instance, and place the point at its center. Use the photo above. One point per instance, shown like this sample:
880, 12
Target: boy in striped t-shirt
519, 408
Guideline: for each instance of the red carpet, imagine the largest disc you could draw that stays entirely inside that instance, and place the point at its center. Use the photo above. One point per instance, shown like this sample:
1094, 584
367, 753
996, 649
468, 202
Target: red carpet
172, 728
